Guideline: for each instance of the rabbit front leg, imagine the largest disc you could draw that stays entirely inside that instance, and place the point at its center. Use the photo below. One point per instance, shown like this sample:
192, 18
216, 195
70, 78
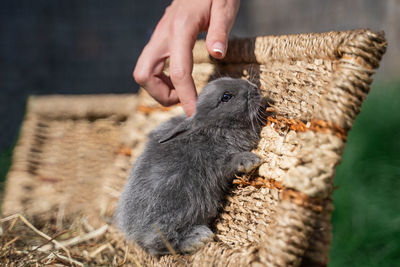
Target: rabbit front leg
244, 162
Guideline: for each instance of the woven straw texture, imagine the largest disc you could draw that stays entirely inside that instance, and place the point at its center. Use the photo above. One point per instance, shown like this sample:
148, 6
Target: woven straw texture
74, 153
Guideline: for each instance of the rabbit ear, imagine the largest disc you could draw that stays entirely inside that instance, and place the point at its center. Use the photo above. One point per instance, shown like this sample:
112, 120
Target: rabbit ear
181, 129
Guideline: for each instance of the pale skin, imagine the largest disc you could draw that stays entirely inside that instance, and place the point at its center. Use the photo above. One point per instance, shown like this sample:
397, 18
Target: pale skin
174, 38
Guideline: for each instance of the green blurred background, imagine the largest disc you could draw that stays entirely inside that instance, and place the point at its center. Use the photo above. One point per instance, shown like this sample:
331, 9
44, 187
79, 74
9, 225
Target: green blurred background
366, 219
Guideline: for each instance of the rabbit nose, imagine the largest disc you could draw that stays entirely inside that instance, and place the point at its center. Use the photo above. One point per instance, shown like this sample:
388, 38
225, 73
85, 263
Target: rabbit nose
264, 101
254, 88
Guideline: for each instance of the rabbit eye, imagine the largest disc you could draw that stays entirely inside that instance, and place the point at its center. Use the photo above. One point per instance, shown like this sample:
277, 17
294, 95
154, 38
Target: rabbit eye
226, 97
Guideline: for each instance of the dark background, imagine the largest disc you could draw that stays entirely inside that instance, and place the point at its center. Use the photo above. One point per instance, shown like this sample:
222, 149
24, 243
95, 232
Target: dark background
91, 46
68, 47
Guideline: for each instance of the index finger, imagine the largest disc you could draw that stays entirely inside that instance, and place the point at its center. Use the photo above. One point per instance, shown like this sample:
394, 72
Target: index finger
181, 66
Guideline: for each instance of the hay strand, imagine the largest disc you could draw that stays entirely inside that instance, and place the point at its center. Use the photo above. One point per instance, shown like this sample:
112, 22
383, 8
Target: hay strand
40, 233
79, 239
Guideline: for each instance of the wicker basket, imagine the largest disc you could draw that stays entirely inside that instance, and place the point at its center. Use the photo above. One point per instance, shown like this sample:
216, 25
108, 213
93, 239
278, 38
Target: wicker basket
74, 153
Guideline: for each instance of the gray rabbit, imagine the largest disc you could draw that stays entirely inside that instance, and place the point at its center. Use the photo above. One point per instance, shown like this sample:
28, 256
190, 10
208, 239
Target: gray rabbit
179, 182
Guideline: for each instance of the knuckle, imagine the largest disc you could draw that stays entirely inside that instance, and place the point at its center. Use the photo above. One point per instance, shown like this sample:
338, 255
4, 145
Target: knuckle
178, 24
185, 22
179, 74
141, 76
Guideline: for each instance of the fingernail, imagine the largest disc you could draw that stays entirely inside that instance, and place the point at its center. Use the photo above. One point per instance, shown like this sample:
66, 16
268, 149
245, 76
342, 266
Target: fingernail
219, 49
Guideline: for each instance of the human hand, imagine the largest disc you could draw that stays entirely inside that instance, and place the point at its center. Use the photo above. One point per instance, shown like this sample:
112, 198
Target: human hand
174, 38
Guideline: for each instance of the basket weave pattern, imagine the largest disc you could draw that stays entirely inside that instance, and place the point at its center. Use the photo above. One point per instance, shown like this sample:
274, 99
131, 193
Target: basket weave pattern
278, 216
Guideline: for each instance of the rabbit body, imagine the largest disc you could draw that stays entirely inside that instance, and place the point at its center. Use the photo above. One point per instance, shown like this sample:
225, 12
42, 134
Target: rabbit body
177, 185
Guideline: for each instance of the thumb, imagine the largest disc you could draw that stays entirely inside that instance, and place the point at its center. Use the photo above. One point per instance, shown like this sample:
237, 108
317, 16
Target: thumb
222, 17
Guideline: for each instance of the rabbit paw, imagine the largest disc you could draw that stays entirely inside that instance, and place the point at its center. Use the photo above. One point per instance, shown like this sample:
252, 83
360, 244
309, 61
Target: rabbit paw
196, 238
248, 162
